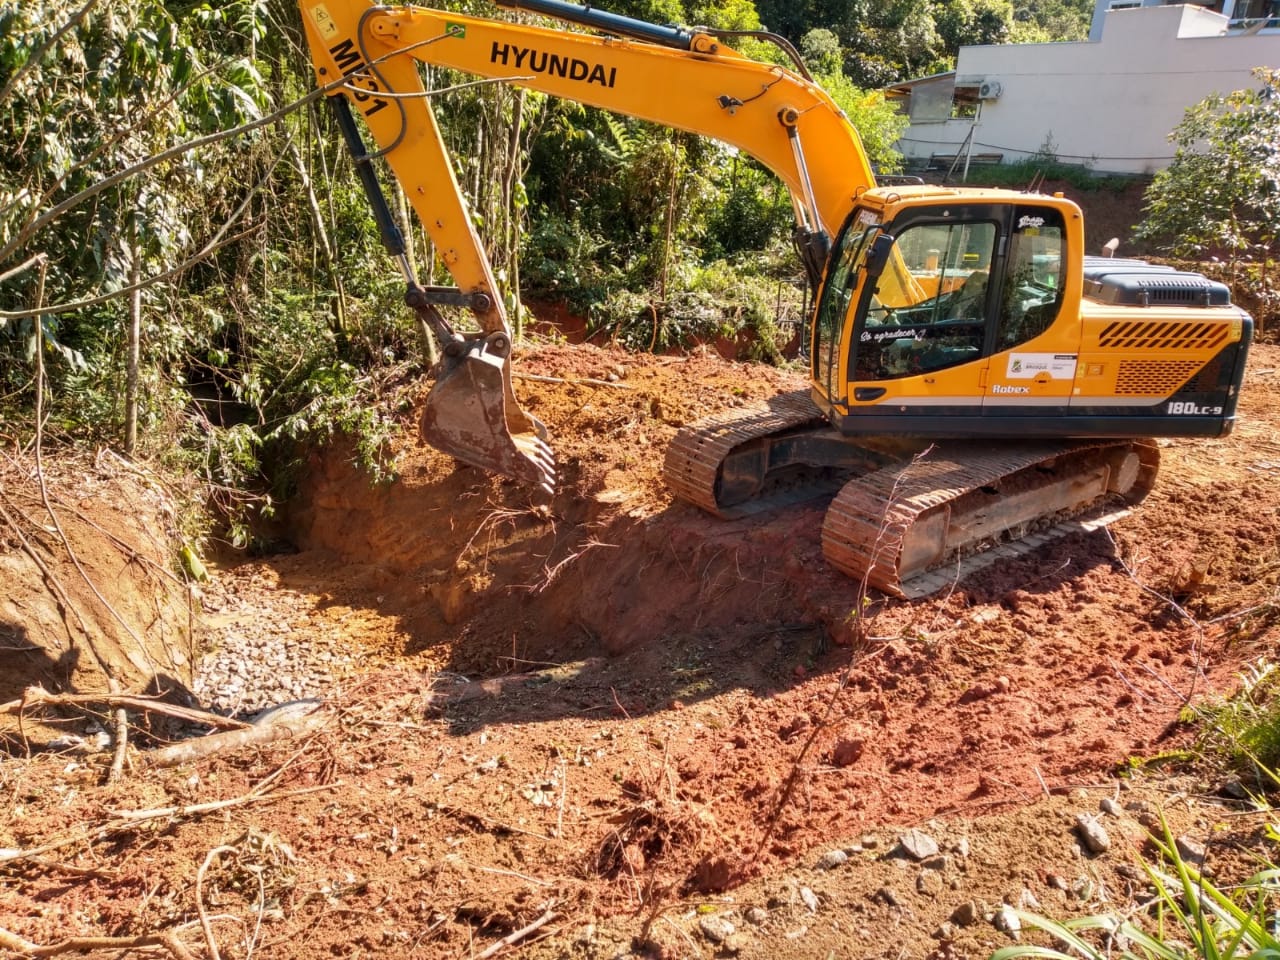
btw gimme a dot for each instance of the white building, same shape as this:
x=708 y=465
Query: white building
x=1109 y=102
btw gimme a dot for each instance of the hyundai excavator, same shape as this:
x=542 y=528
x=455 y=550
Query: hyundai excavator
x=974 y=375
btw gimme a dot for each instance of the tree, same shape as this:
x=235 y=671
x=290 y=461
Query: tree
x=821 y=51
x=1049 y=21
x=1222 y=190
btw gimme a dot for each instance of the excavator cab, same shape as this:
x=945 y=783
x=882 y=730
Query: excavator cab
x=976 y=315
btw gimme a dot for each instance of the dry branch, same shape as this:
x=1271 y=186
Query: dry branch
x=517 y=936
x=205 y=925
x=126 y=821
x=281 y=724
x=39 y=697
x=121 y=717
x=16 y=944
x=576 y=381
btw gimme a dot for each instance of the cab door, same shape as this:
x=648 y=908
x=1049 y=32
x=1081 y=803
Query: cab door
x=919 y=358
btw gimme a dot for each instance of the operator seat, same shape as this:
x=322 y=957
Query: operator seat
x=970 y=301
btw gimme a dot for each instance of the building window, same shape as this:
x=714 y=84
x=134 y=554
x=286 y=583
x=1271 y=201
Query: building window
x=964 y=103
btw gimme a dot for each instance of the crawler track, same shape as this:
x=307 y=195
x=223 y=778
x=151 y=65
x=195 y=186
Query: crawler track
x=900 y=522
x=901 y=517
x=697 y=454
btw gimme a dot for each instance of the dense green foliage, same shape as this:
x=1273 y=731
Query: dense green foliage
x=885 y=42
x=147 y=155
x=1221 y=193
x=171 y=170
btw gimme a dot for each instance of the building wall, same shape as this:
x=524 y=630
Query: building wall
x=1110 y=104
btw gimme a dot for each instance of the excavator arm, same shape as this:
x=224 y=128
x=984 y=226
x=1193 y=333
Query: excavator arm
x=366 y=57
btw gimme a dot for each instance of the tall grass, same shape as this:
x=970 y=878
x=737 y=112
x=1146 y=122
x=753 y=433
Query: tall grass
x=1188 y=917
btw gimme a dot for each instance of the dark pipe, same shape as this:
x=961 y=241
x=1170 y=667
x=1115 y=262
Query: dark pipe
x=615 y=23
x=392 y=238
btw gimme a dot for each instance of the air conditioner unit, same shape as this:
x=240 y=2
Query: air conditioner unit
x=990 y=90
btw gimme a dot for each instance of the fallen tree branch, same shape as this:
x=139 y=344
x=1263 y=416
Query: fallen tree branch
x=191 y=809
x=577 y=381
x=283 y=723
x=13 y=942
x=121 y=717
x=205 y=925
x=38 y=696
x=517 y=936
x=127 y=821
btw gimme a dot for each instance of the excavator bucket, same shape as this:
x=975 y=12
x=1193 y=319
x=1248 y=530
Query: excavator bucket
x=472 y=414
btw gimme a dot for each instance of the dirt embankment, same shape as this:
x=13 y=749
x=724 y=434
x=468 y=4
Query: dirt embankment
x=91 y=596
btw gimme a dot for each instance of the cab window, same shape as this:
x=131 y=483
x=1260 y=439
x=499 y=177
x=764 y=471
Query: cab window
x=928 y=310
x=1034 y=279
x=841 y=281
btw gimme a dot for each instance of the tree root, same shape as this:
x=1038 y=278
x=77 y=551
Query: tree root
x=25 y=948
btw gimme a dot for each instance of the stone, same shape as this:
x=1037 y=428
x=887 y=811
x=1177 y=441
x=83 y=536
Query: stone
x=1109 y=807
x=832 y=859
x=929 y=883
x=918 y=845
x=847 y=751
x=1092 y=834
x=810 y=899
x=757 y=916
x=1007 y=920
x=886 y=896
x=1191 y=851
x=946 y=931
x=969 y=913
x=715 y=928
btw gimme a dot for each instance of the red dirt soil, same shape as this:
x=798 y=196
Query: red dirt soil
x=615 y=709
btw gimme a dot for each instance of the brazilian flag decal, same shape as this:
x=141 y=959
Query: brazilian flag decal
x=457 y=30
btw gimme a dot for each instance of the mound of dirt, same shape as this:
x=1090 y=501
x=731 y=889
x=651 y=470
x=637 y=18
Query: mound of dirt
x=612 y=563
x=91 y=598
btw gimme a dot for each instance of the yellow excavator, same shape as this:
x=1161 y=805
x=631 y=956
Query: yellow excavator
x=974 y=375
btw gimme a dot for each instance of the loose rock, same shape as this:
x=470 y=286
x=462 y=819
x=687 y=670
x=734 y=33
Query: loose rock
x=886 y=896
x=918 y=845
x=716 y=929
x=969 y=913
x=1092 y=834
x=1191 y=851
x=946 y=931
x=832 y=859
x=810 y=899
x=1006 y=920
x=929 y=883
